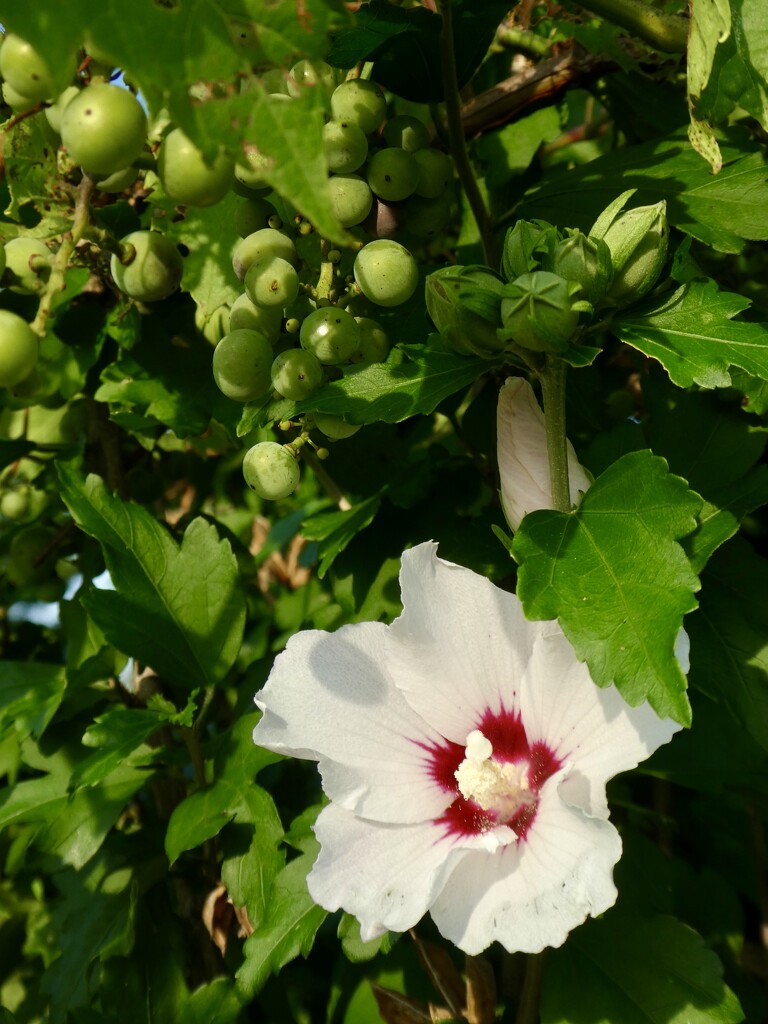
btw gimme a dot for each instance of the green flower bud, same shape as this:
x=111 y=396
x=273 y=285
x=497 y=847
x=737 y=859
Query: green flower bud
x=638 y=241
x=584 y=261
x=464 y=304
x=540 y=311
x=526 y=245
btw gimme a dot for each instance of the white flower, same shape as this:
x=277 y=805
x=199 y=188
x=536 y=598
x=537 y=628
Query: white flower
x=522 y=454
x=465 y=752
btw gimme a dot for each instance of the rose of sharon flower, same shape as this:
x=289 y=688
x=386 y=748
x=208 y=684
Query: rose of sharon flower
x=522 y=454
x=465 y=752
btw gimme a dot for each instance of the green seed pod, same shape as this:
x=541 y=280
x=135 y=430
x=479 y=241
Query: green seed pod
x=464 y=304
x=539 y=312
x=638 y=241
x=584 y=261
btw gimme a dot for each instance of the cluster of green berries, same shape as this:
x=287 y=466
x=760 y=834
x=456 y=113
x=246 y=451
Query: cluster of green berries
x=285 y=336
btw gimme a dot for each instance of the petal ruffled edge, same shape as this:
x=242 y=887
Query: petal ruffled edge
x=386 y=875
x=531 y=895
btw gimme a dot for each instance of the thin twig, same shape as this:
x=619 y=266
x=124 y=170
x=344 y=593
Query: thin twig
x=456 y=136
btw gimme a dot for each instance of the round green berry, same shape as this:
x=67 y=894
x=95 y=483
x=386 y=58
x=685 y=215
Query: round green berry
x=103 y=128
x=296 y=374
x=272 y=282
x=334 y=427
x=27 y=265
x=154 y=269
x=24 y=70
x=187 y=177
x=360 y=102
x=271 y=470
x=258 y=246
x=18 y=349
x=351 y=199
x=331 y=334
x=345 y=146
x=386 y=273
x=242 y=365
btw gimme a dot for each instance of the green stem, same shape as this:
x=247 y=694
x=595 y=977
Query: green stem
x=325 y=281
x=57 y=281
x=528 y=1007
x=552 y=377
x=522 y=39
x=458 y=143
x=666 y=32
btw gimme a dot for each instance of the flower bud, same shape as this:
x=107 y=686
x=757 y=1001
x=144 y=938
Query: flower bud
x=522 y=454
x=584 y=261
x=464 y=303
x=525 y=245
x=540 y=312
x=638 y=241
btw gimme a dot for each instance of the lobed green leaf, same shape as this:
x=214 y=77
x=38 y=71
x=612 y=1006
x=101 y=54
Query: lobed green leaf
x=615 y=576
x=695 y=338
x=175 y=607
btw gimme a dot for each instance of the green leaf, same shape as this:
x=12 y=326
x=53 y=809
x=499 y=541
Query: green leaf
x=29 y=151
x=30 y=694
x=335 y=530
x=209 y=235
x=120 y=734
x=353 y=946
x=214 y=1003
x=405 y=44
x=729 y=636
x=693 y=336
x=637 y=970
x=383 y=391
x=735 y=67
x=721 y=516
x=99 y=927
x=75 y=830
x=508 y=152
x=252 y=860
x=720 y=210
x=278 y=34
x=206 y=811
x=755 y=392
x=710 y=26
x=72 y=827
x=289 y=927
x=614 y=575
x=176 y=608
x=169 y=379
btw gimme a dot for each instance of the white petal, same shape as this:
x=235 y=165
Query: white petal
x=531 y=895
x=522 y=454
x=386 y=875
x=460 y=646
x=591 y=728
x=331 y=697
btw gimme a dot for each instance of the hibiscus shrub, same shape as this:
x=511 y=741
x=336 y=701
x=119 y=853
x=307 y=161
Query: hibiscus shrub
x=401 y=366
